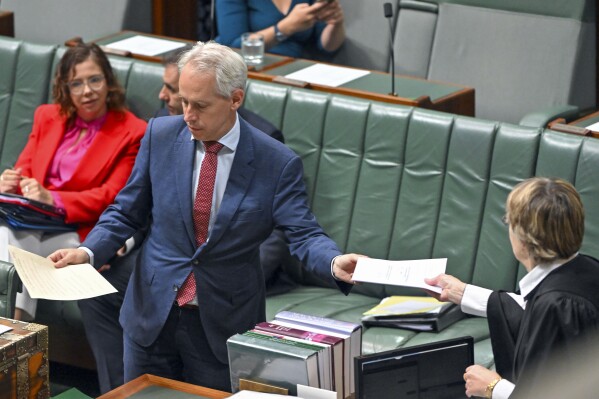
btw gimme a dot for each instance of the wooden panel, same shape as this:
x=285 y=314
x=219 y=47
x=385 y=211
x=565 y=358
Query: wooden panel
x=148 y=380
x=7 y=23
x=175 y=18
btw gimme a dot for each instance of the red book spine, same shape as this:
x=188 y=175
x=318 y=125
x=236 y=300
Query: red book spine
x=297 y=333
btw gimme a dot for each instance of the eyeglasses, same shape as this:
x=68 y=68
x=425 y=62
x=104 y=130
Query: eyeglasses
x=94 y=83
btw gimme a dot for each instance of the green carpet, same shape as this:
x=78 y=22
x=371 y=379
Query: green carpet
x=63 y=378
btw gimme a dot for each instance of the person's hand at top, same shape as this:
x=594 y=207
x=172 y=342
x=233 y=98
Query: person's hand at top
x=331 y=13
x=9 y=180
x=452 y=288
x=32 y=189
x=301 y=17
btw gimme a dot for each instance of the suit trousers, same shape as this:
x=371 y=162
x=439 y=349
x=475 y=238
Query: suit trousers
x=181 y=352
x=100 y=317
x=39 y=243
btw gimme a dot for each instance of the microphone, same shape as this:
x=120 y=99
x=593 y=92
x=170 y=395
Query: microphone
x=388 y=9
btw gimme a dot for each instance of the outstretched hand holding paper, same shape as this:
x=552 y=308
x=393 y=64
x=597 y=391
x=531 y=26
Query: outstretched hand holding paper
x=43 y=280
x=407 y=273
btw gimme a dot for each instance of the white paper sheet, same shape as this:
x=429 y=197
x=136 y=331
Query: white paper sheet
x=4 y=329
x=45 y=281
x=144 y=45
x=594 y=127
x=257 y=395
x=327 y=75
x=407 y=273
x=307 y=392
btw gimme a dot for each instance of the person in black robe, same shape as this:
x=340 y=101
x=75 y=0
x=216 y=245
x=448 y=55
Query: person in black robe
x=558 y=304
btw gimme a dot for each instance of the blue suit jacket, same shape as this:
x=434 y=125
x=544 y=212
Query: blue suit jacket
x=265 y=190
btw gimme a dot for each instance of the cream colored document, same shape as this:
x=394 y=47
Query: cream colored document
x=45 y=281
x=407 y=273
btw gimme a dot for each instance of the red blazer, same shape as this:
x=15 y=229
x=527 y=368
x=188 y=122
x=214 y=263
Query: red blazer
x=101 y=173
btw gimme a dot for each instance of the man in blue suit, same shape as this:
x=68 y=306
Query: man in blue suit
x=258 y=186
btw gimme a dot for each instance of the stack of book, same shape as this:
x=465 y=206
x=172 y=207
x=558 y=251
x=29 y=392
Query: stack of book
x=296 y=348
x=413 y=313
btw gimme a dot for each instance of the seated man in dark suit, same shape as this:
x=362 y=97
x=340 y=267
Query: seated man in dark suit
x=101 y=314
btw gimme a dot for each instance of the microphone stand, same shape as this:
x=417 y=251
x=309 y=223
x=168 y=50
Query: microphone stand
x=389 y=16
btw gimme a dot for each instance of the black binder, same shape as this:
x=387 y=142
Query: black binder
x=420 y=322
x=22 y=213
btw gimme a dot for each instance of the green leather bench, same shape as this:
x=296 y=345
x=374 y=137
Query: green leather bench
x=401 y=183
x=384 y=180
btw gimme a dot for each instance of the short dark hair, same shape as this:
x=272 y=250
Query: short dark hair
x=74 y=56
x=172 y=58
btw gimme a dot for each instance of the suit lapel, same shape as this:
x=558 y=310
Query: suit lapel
x=50 y=138
x=184 y=149
x=242 y=173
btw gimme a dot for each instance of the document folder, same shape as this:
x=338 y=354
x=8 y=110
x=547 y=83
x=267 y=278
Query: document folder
x=21 y=213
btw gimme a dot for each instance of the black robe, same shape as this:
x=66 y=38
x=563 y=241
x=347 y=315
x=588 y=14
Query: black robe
x=560 y=313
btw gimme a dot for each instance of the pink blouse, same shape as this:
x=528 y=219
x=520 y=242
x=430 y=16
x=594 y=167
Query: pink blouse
x=69 y=152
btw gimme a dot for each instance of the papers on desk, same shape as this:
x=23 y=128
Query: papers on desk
x=407 y=273
x=593 y=127
x=4 y=329
x=257 y=395
x=45 y=281
x=145 y=45
x=303 y=392
x=327 y=75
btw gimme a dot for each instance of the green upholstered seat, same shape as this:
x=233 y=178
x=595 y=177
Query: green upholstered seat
x=521 y=57
x=385 y=180
x=9 y=285
x=400 y=183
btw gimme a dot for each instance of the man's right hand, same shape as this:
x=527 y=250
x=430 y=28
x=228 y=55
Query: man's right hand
x=65 y=257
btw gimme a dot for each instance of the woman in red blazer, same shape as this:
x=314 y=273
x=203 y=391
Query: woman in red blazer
x=79 y=155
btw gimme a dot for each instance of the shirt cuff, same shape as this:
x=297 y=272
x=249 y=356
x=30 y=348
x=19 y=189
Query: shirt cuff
x=332 y=272
x=475 y=299
x=503 y=389
x=90 y=254
x=129 y=245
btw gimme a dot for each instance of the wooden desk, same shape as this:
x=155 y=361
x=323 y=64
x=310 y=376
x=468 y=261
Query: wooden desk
x=7 y=23
x=151 y=386
x=270 y=60
x=411 y=91
x=578 y=126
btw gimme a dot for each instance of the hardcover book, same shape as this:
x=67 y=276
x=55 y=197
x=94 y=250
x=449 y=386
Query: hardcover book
x=350 y=332
x=335 y=345
x=270 y=362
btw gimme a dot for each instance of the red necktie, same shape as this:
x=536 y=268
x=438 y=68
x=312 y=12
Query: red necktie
x=201 y=211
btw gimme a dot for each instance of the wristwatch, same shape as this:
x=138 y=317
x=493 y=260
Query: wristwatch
x=279 y=36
